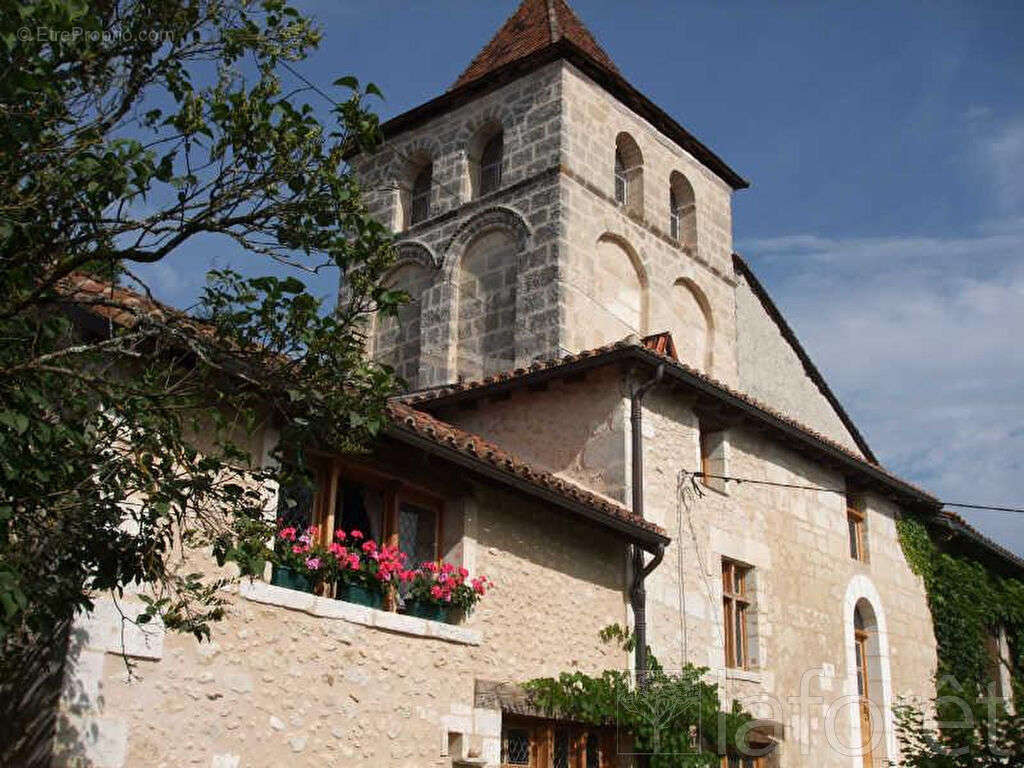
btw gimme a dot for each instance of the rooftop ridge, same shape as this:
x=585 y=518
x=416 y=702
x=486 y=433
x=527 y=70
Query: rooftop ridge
x=535 y=25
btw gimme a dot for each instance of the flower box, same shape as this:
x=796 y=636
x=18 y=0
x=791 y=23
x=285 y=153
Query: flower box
x=289 y=578
x=424 y=609
x=360 y=595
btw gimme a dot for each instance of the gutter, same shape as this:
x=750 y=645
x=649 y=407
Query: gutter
x=637 y=594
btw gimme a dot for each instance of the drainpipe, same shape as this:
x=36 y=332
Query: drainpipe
x=638 y=595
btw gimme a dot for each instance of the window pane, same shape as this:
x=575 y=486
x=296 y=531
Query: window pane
x=561 y=748
x=727 y=577
x=593 y=751
x=295 y=504
x=860 y=668
x=741 y=640
x=421 y=195
x=727 y=623
x=516 y=747
x=359 y=509
x=417 y=531
x=854 y=544
x=490 y=165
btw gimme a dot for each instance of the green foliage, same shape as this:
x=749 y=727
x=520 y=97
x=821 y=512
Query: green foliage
x=124 y=445
x=967 y=601
x=977 y=736
x=676 y=718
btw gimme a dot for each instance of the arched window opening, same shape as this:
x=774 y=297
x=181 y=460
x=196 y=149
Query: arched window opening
x=682 y=210
x=621 y=182
x=868 y=670
x=628 y=175
x=420 y=209
x=490 y=164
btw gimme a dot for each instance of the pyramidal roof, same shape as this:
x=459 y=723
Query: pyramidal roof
x=536 y=24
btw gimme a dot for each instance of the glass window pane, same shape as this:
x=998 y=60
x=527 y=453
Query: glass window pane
x=516 y=747
x=561 y=748
x=295 y=504
x=860 y=668
x=741 y=641
x=360 y=509
x=854 y=542
x=593 y=751
x=417 y=532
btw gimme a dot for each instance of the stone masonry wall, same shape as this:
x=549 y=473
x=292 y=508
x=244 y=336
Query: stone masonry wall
x=577 y=430
x=525 y=207
x=804 y=583
x=593 y=119
x=283 y=687
x=770 y=370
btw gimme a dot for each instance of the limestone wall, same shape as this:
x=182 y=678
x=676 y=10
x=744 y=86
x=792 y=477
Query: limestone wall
x=525 y=208
x=577 y=429
x=280 y=686
x=686 y=289
x=772 y=372
x=805 y=585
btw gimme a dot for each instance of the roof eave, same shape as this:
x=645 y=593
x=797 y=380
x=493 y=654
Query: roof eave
x=612 y=82
x=649 y=540
x=624 y=352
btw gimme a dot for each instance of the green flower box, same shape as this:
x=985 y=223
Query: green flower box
x=423 y=609
x=283 y=576
x=354 y=593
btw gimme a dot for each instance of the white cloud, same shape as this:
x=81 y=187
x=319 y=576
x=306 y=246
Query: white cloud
x=922 y=339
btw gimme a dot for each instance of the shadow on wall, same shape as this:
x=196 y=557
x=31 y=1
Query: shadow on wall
x=30 y=698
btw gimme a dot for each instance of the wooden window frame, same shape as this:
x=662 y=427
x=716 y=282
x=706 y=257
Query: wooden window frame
x=394 y=489
x=736 y=599
x=743 y=761
x=855 y=518
x=542 y=734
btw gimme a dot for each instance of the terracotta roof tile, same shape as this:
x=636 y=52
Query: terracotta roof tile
x=536 y=24
x=423 y=398
x=424 y=425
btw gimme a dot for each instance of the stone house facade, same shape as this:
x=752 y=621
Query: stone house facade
x=563 y=242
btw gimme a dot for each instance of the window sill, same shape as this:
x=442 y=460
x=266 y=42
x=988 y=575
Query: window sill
x=748 y=675
x=328 y=608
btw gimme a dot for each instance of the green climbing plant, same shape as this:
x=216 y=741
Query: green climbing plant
x=676 y=718
x=968 y=601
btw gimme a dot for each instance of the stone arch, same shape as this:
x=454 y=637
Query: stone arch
x=481 y=177
x=629 y=174
x=619 y=293
x=396 y=340
x=407 y=164
x=863 y=600
x=497 y=217
x=472 y=136
x=689 y=319
x=682 y=210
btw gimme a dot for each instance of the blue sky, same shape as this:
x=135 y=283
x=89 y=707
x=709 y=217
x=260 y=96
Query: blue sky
x=884 y=143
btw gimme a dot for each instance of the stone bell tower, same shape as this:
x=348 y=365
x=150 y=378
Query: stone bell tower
x=544 y=206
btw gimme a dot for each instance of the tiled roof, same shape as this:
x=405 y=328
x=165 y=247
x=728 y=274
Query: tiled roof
x=536 y=24
x=713 y=386
x=121 y=306
x=426 y=426
x=962 y=527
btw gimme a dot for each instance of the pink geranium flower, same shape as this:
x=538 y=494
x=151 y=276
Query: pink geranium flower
x=313 y=563
x=356 y=534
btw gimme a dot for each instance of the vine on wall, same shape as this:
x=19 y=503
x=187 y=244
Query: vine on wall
x=675 y=718
x=967 y=601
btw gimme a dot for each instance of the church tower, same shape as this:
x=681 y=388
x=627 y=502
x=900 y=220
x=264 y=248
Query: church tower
x=544 y=206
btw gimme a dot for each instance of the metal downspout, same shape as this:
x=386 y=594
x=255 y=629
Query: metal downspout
x=638 y=595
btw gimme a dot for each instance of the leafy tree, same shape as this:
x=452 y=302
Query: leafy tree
x=129 y=129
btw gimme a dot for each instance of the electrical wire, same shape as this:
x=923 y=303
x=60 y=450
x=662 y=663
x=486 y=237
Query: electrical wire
x=739 y=480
